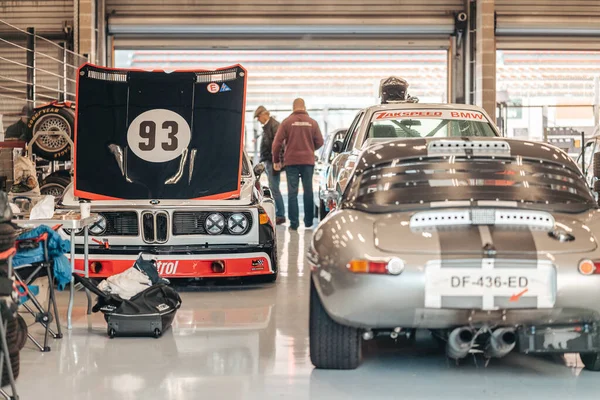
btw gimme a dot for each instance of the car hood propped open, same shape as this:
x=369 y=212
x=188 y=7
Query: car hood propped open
x=159 y=135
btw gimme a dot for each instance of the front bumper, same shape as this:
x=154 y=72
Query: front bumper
x=181 y=261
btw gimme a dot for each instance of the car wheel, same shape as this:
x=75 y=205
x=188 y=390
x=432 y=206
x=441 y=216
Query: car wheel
x=332 y=345
x=52 y=147
x=54 y=185
x=591 y=361
x=596 y=164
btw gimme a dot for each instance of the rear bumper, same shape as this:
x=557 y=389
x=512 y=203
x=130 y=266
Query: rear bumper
x=177 y=262
x=371 y=301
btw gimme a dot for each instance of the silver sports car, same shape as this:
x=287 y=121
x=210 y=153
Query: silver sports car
x=489 y=243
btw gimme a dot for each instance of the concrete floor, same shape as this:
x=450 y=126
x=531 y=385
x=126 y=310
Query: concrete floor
x=252 y=343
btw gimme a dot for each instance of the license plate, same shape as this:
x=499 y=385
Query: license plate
x=490 y=288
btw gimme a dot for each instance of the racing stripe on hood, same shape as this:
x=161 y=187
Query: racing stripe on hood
x=459 y=243
x=513 y=243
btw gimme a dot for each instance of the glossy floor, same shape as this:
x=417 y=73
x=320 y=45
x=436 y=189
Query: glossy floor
x=252 y=343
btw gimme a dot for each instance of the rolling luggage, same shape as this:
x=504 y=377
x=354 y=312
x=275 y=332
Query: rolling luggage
x=148 y=313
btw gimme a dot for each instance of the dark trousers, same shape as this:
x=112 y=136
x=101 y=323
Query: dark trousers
x=274 y=179
x=295 y=173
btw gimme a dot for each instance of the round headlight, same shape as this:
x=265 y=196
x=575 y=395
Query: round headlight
x=99 y=227
x=77 y=231
x=237 y=223
x=215 y=223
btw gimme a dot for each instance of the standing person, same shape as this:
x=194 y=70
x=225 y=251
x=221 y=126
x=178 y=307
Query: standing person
x=18 y=130
x=270 y=126
x=302 y=137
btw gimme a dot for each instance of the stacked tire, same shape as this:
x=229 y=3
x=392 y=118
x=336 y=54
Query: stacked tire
x=54 y=117
x=16 y=328
x=16 y=336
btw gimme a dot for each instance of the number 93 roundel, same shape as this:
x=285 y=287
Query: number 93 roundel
x=158 y=135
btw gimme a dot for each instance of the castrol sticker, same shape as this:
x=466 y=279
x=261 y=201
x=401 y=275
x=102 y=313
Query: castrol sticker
x=167 y=267
x=432 y=114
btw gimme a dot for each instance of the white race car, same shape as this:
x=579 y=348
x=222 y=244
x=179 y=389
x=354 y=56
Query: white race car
x=159 y=156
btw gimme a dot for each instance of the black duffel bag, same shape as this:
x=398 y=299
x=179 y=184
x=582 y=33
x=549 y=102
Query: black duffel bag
x=148 y=313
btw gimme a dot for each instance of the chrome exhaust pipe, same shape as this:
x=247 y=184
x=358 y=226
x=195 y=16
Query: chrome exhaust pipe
x=460 y=342
x=502 y=341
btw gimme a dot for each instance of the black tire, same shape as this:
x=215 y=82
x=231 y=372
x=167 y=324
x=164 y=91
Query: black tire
x=322 y=212
x=55 y=184
x=8 y=234
x=596 y=164
x=22 y=330
x=332 y=345
x=13 y=351
x=591 y=361
x=112 y=333
x=157 y=333
x=597 y=186
x=52 y=118
x=274 y=262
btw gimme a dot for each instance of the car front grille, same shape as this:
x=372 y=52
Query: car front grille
x=118 y=223
x=192 y=222
x=121 y=223
x=155 y=227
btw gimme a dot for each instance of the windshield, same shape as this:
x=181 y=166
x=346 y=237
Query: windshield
x=429 y=123
x=420 y=182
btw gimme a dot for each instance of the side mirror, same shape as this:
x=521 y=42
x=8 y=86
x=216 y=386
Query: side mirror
x=337 y=146
x=259 y=169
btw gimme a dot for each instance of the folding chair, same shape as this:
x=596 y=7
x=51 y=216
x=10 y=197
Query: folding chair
x=5 y=357
x=42 y=315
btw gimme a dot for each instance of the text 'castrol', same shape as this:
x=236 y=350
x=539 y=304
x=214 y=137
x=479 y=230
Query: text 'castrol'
x=166 y=267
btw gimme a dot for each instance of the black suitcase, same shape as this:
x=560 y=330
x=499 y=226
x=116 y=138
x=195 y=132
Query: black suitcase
x=148 y=313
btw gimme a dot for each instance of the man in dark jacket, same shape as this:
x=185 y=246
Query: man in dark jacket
x=302 y=137
x=270 y=126
x=18 y=130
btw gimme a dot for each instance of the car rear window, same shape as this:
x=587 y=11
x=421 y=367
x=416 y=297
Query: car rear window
x=422 y=181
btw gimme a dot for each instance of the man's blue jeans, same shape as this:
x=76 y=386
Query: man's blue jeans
x=274 y=181
x=295 y=173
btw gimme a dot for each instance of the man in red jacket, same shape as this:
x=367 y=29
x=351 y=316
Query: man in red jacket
x=302 y=136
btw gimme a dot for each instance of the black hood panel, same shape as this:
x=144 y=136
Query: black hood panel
x=159 y=135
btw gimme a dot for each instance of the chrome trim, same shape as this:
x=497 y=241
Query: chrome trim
x=192 y=161
x=177 y=177
x=154 y=226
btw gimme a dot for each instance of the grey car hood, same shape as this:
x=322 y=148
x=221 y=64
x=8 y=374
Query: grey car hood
x=397 y=233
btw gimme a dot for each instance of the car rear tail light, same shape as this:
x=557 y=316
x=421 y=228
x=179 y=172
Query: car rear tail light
x=589 y=267
x=395 y=266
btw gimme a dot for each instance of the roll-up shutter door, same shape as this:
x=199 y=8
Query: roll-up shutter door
x=49 y=18
x=276 y=23
x=547 y=24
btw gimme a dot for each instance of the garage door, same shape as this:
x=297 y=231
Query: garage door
x=278 y=23
x=548 y=24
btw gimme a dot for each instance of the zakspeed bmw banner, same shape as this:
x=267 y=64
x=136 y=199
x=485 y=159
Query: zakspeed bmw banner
x=159 y=135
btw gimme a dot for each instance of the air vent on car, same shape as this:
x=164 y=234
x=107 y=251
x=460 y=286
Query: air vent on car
x=482 y=216
x=468 y=147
